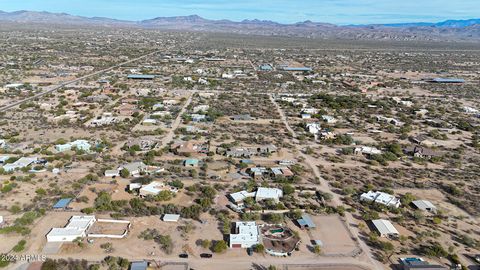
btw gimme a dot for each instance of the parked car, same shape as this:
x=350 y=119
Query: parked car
x=206 y=255
x=183 y=255
x=249 y=251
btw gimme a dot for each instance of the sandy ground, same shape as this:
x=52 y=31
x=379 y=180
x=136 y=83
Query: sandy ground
x=333 y=234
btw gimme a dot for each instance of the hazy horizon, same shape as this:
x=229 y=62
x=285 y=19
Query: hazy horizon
x=330 y=11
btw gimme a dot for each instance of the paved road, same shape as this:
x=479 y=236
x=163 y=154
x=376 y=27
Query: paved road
x=59 y=86
x=235 y=263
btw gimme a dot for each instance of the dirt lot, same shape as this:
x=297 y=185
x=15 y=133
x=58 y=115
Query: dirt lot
x=108 y=228
x=332 y=232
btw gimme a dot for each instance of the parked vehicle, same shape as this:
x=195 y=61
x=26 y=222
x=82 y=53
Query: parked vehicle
x=206 y=255
x=183 y=255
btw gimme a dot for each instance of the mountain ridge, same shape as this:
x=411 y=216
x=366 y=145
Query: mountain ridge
x=448 y=29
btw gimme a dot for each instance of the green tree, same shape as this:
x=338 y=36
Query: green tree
x=124 y=173
x=220 y=246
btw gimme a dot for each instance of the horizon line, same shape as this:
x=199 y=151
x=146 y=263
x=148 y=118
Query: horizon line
x=238 y=21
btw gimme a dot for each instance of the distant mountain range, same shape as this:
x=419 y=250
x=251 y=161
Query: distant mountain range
x=453 y=30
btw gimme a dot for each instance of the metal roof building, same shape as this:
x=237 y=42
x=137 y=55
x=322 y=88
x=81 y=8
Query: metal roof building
x=141 y=77
x=62 y=203
x=446 y=80
x=425 y=205
x=306 y=222
x=142 y=265
x=385 y=228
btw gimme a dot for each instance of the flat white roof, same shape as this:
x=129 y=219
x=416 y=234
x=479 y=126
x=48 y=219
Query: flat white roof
x=171 y=217
x=241 y=195
x=77 y=226
x=154 y=187
x=247 y=232
x=273 y=193
x=385 y=227
x=65 y=232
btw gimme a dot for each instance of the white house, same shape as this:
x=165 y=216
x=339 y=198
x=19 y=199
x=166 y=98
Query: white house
x=76 y=227
x=313 y=128
x=240 y=196
x=367 y=150
x=268 y=193
x=21 y=163
x=78 y=144
x=154 y=188
x=246 y=235
x=112 y=173
x=135 y=168
x=201 y=108
x=329 y=119
x=381 y=198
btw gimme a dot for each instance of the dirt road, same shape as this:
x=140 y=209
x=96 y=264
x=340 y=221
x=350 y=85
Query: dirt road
x=171 y=133
x=336 y=200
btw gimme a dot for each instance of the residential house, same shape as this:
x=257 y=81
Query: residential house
x=265 y=67
x=20 y=163
x=313 y=128
x=186 y=148
x=423 y=140
x=268 y=193
x=246 y=235
x=78 y=144
x=200 y=108
x=149 y=122
x=421 y=152
x=381 y=198
x=389 y=120
x=76 y=228
x=143 y=144
x=367 y=150
x=191 y=162
x=154 y=188
x=281 y=171
x=242 y=117
x=135 y=168
x=419 y=264
x=329 y=119
x=198 y=117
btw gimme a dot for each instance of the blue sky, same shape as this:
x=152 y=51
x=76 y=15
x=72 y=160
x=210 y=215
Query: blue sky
x=286 y=11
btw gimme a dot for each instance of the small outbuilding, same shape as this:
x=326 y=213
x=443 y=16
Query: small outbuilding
x=171 y=218
x=425 y=206
x=62 y=204
x=306 y=222
x=141 y=265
